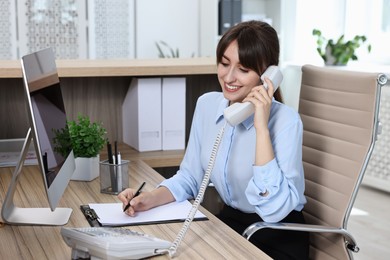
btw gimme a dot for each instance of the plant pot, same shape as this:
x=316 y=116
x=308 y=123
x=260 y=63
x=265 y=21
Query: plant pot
x=331 y=60
x=87 y=169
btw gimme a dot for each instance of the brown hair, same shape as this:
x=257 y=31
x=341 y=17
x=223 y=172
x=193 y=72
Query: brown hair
x=258 y=47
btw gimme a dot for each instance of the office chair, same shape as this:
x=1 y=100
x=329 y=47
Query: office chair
x=339 y=111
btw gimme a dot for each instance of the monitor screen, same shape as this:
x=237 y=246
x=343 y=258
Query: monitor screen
x=46 y=113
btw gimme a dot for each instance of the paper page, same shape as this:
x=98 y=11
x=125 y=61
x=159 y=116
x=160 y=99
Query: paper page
x=8 y=159
x=111 y=214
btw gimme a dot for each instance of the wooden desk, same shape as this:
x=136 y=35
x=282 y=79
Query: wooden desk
x=210 y=239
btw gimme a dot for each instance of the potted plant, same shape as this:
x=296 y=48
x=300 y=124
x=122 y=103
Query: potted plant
x=171 y=53
x=87 y=139
x=338 y=52
x=166 y=51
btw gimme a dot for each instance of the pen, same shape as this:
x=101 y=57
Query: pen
x=112 y=170
x=109 y=153
x=138 y=192
x=119 y=173
x=116 y=152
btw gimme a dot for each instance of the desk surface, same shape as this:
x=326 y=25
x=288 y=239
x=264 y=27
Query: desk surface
x=120 y=67
x=163 y=158
x=210 y=239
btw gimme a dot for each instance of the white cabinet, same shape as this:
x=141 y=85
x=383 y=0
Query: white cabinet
x=111 y=29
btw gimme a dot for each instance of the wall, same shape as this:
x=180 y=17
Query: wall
x=100 y=29
x=176 y=22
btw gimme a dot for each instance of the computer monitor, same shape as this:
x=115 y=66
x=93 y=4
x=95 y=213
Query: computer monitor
x=46 y=112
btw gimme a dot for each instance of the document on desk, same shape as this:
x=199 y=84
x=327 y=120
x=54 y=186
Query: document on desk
x=9 y=159
x=111 y=214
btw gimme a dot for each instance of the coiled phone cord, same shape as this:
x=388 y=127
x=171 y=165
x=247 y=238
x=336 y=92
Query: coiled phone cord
x=172 y=250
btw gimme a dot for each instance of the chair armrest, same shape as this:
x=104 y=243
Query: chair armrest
x=350 y=241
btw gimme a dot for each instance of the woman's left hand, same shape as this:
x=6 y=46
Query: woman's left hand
x=261 y=98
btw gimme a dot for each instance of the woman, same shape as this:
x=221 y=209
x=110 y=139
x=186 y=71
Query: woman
x=258 y=169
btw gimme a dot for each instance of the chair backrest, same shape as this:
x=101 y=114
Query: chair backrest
x=339 y=114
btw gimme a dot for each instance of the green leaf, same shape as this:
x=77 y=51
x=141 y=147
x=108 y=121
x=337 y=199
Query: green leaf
x=169 y=51
x=86 y=139
x=342 y=51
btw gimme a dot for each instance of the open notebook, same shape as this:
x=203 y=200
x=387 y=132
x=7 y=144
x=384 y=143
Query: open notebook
x=111 y=214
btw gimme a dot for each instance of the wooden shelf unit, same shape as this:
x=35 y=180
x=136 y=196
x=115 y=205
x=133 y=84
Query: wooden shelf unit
x=97 y=88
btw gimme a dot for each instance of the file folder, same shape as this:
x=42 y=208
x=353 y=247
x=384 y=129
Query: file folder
x=173 y=113
x=141 y=114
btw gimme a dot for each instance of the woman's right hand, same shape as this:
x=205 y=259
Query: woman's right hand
x=140 y=203
x=145 y=200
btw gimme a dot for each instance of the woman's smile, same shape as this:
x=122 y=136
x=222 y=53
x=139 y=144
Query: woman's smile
x=231 y=88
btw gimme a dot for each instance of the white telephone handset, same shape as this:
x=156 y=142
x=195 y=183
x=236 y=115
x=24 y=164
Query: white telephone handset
x=238 y=112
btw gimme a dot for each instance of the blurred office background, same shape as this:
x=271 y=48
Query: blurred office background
x=131 y=28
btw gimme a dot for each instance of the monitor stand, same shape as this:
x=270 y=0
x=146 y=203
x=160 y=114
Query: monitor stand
x=29 y=216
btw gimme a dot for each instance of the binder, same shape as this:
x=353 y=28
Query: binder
x=173 y=113
x=230 y=12
x=141 y=114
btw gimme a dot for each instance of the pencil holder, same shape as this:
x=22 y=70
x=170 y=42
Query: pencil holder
x=114 y=178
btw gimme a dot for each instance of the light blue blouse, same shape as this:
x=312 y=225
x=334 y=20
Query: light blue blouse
x=238 y=181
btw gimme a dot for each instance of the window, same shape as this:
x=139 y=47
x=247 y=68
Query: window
x=386 y=16
x=336 y=17
x=327 y=16
x=371 y=18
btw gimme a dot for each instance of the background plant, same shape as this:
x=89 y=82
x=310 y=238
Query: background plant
x=166 y=51
x=86 y=138
x=341 y=51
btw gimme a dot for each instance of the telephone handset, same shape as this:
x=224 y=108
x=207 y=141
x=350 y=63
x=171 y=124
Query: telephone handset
x=238 y=112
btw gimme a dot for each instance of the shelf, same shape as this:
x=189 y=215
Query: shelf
x=128 y=67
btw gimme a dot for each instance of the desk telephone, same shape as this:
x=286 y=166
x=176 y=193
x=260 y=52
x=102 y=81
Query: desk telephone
x=238 y=112
x=112 y=243
x=122 y=243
